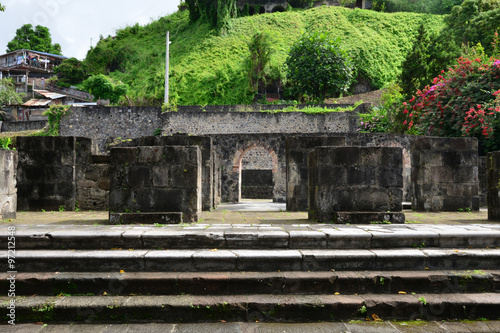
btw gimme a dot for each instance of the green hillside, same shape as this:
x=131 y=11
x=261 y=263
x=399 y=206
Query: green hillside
x=206 y=68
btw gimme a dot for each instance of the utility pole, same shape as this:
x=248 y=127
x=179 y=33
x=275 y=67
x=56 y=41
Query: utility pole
x=167 y=68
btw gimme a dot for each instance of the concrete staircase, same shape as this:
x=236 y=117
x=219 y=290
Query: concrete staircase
x=265 y=273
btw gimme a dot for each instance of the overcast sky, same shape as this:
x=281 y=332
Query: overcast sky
x=73 y=23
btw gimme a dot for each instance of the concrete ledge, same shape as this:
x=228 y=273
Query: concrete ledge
x=368 y=217
x=256 y=260
x=145 y=218
x=251 y=283
x=251 y=308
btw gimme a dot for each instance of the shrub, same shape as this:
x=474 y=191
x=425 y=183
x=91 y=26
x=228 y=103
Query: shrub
x=319 y=67
x=463 y=101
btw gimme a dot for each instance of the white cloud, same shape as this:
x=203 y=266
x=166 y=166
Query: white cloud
x=74 y=23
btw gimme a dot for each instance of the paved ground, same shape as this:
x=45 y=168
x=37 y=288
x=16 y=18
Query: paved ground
x=354 y=326
x=255 y=212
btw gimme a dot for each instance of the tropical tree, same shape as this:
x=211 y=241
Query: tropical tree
x=102 y=87
x=2 y=8
x=70 y=72
x=430 y=54
x=215 y=12
x=36 y=39
x=318 y=67
x=8 y=94
x=260 y=55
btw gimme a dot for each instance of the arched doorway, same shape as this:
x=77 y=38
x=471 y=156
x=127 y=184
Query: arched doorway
x=256 y=165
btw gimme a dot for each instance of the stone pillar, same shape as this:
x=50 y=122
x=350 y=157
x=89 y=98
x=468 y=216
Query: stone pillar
x=205 y=144
x=493 y=170
x=46 y=172
x=445 y=174
x=297 y=149
x=356 y=184
x=155 y=179
x=8 y=190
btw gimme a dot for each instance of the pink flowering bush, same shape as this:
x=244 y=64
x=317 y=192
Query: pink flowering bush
x=463 y=101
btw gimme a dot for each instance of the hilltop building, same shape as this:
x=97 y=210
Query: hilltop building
x=26 y=67
x=271 y=6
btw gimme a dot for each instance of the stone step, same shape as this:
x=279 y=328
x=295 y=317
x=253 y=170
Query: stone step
x=252 y=327
x=251 y=308
x=220 y=236
x=252 y=260
x=277 y=283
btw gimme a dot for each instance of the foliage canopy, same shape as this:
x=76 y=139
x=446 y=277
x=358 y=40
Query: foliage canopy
x=36 y=39
x=8 y=95
x=71 y=72
x=102 y=87
x=319 y=67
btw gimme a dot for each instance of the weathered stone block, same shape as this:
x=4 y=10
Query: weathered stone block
x=158 y=179
x=363 y=184
x=297 y=150
x=493 y=196
x=49 y=170
x=445 y=174
x=8 y=191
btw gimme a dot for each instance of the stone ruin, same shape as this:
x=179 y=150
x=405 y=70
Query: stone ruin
x=350 y=178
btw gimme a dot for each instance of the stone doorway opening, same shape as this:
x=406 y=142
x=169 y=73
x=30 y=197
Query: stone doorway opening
x=256 y=165
x=256 y=177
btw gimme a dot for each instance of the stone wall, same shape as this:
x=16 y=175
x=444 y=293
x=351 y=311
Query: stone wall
x=206 y=123
x=47 y=171
x=297 y=150
x=257 y=184
x=483 y=181
x=101 y=123
x=231 y=149
x=19 y=126
x=207 y=158
x=445 y=174
x=493 y=167
x=257 y=159
x=355 y=180
x=8 y=190
x=93 y=184
x=156 y=179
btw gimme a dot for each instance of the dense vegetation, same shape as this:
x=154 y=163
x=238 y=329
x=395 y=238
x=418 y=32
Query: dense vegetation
x=33 y=38
x=450 y=82
x=211 y=67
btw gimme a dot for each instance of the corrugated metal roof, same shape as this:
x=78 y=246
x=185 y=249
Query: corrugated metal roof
x=50 y=94
x=38 y=102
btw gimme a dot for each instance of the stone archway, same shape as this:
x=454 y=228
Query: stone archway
x=262 y=165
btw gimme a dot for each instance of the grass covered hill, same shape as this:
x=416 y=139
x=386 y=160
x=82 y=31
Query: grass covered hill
x=211 y=68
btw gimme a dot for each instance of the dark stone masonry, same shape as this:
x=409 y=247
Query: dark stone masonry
x=156 y=179
x=297 y=175
x=445 y=174
x=355 y=184
x=232 y=153
x=493 y=172
x=47 y=171
x=257 y=184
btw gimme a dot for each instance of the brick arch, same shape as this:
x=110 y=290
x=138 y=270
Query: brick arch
x=238 y=156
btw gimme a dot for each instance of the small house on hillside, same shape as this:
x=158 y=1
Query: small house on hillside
x=26 y=67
